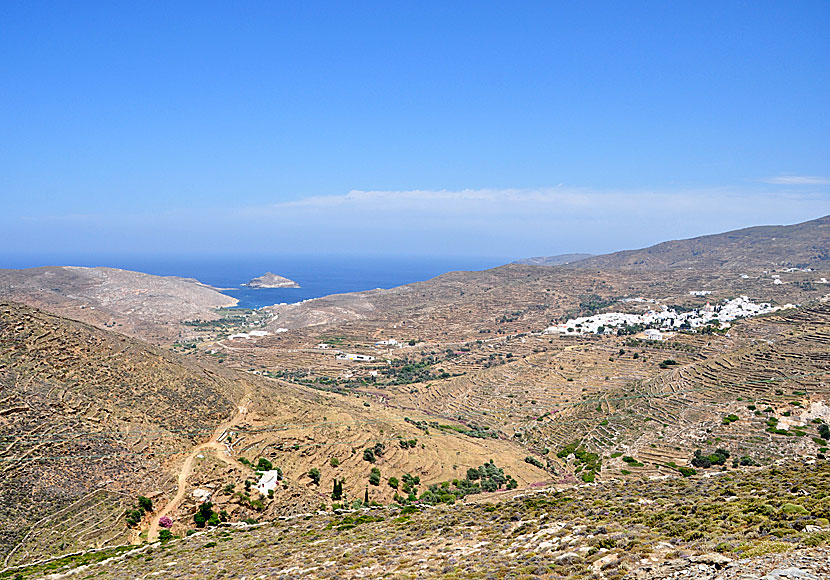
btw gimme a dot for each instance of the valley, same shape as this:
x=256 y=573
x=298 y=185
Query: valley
x=533 y=397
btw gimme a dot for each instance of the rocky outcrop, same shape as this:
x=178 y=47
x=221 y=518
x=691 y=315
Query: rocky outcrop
x=271 y=280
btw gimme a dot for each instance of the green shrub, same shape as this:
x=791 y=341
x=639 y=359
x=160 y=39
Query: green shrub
x=793 y=508
x=314 y=474
x=205 y=515
x=374 y=476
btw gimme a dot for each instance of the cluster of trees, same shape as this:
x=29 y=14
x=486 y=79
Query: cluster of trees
x=206 y=516
x=491 y=477
x=337 y=491
x=135 y=515
x=486 y=478
x=719 y=457
x=593 y=302
x=405 y=371
x=629 y=329
x=372 y=453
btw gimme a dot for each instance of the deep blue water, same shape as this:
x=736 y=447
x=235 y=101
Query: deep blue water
x=317 y=275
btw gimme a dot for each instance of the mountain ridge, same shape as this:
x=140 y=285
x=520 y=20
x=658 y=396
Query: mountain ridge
x=807 y=245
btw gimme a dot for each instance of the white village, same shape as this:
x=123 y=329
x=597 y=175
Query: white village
x=654 y=320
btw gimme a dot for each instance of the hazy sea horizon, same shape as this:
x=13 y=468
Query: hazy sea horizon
x=317 y=275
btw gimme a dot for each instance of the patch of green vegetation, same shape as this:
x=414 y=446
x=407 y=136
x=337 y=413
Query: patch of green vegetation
x=372 y=453
x=205 y=516
x=72 y=561
x=718 y=457
x=584 y=460
x=632 y=462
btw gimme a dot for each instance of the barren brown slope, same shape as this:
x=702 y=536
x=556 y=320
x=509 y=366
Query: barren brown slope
x=143 y=305
x=88 y=419
x=521 y=298
x=516 y=298
x=798 y=246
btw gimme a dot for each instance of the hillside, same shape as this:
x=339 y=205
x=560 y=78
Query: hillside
x=804 y=245
x=732 y=525
x=520 y=297
x=134 y=303
x=89 y=419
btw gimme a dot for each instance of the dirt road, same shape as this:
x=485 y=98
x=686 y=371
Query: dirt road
x=187 y=468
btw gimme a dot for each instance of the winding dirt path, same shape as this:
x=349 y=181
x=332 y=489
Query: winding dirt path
x=187 y=467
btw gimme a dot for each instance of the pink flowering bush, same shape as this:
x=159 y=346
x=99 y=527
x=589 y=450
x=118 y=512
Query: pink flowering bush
x=165 y=522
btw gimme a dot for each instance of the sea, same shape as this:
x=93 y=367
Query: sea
x=317 y=275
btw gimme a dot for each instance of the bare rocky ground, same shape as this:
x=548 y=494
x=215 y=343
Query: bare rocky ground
x=134 y=303
x=798 y=565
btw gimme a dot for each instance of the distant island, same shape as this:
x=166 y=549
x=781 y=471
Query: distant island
x=271 y=280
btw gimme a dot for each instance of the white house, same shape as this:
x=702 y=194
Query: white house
x=357 y=357
x=653 y=334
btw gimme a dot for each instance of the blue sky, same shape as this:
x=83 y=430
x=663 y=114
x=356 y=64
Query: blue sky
x=499 y=129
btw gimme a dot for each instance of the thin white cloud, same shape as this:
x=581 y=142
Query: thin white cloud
x=491 y=222
x=796 y=180
x=538 y=204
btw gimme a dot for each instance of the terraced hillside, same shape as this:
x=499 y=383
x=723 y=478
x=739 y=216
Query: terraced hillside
x=652 y=402
x=763 y=400
x=732 y=525
x=88 y=420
